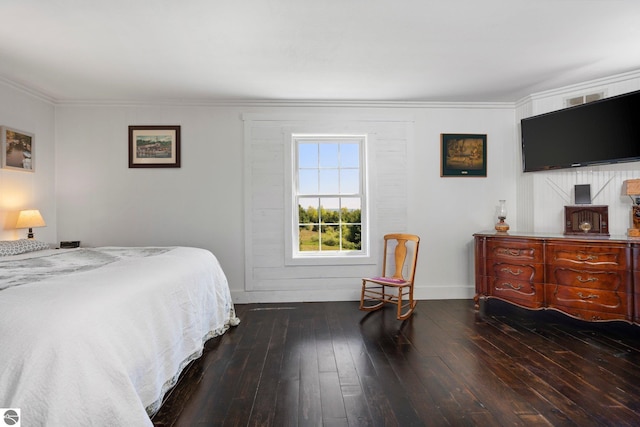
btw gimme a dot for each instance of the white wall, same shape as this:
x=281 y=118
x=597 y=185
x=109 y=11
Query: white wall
x=22 y=110
x=100 y=201
x=447 y=211
x=103 y=202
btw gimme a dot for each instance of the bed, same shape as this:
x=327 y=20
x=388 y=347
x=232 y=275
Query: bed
x=97 y=336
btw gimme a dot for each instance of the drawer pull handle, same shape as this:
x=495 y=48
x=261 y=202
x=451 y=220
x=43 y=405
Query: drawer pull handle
x=510 y=271
x=512 y=286
x=590 y=296
x=587 y=257
x=508 y=251
x=587 y=280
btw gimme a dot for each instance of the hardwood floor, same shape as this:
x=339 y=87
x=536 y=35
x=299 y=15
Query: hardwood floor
x=329 y=364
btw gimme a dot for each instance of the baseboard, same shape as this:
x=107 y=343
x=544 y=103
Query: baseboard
x=351 y=294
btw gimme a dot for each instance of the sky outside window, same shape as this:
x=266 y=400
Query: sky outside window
x=330 y=168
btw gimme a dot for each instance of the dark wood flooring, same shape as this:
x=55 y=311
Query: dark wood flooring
x=329 y=364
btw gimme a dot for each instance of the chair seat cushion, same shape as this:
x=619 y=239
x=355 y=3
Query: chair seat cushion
x=390 y=280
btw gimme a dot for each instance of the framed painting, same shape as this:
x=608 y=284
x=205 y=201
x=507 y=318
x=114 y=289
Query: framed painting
x=154 y=146
x=18 y=149
x=463 y=154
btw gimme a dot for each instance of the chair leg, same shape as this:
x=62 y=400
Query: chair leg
x=411 y=304
x=363 y=295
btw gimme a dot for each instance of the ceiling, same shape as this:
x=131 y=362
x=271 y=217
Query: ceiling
x=326 y=50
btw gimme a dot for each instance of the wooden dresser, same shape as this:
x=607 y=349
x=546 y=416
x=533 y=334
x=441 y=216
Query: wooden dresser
x=589 y=278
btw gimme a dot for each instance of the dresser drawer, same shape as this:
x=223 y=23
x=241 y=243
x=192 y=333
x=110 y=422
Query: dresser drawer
x=515 y=250
x=614 y=280
x=567 y=298
x=531 y=273
x=596 y=256
x=521 y=292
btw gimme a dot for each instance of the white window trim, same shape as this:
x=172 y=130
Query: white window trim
x=292 y=255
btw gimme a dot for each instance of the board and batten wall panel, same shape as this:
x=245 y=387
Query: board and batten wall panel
x=524 y=182
x=542 y=195
x=267 y=169
x=555 y=190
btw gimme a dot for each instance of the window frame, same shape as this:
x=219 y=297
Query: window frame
x=293 y=255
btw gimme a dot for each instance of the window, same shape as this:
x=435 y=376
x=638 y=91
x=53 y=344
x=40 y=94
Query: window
x=329 y=194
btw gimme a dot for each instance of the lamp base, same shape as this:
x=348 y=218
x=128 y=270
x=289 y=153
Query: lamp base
x=635 y=216
x=633 y=232
x=502 y=226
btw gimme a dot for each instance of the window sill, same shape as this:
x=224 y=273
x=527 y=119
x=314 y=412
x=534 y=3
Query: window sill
x=331 y=260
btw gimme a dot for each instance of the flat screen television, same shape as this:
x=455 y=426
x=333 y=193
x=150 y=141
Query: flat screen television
x=599 y=132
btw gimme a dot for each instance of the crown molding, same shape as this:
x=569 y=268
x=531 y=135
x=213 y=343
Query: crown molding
x=581 y=87
x=244 y=103
x=28 y=90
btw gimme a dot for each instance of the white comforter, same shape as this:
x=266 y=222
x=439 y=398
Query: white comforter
x=100 y=346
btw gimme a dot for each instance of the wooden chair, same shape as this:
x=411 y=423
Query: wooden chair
x=395 y=288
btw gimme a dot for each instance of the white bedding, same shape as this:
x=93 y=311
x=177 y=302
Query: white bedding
x=101 y=346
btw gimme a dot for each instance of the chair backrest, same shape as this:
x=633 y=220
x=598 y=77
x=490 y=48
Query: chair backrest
x=400 y=255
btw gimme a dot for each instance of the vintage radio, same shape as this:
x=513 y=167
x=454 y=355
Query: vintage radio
x=590 y=220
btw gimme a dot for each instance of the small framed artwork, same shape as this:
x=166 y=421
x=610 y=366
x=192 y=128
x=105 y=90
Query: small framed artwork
x=18 y=149
x=463 y=154
x=154 y=146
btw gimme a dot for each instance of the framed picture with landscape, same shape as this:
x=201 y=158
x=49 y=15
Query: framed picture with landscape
x=463 y=154
x=18 y=149
x=154 y=146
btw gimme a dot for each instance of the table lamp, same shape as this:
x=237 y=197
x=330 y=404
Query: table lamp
x=632 y=189
x=501 y=213
x=29 y=219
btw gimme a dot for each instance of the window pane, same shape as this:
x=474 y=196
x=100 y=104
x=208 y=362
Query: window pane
x=329 y=155
x=307 y=155
x=349 y=181
x=308 y=181
x=330 y=210
x=309 y=238
x=349 y=155
x=330 y=237
x=310 y=206
x=329 y=181
x=351 y=209
x=352 y=237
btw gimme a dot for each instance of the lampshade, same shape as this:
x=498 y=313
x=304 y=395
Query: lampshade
x=632 y=187
x=28 y=219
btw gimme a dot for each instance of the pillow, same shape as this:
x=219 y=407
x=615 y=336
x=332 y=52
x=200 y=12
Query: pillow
x=15 y=247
